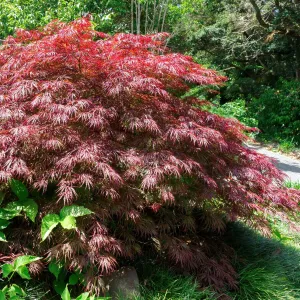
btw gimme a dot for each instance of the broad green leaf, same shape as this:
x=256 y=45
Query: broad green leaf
x=24 y=260
x=69 y=222
x=66 y=294
x=19 y=189
x=2 y=237
x=3 y=224
x=49 y=222
x=14 y=207
x=55 y=269
x=74 y=211
x=2 y=296
x=30 y=208
x=18 y=290
x=6 y=270
x=73 y=279
x=8 y=214
x=83 y=296
x=23 y=272
x=59 y=286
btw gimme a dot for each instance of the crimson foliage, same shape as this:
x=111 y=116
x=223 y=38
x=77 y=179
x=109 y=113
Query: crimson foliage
x=98 y=120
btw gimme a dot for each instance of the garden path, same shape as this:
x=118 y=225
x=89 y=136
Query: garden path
x=290 y=166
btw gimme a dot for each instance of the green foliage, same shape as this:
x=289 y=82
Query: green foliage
x=19 y=189
x=12 y=292
x=65 y=295
x=13 y=209
x=286 y=146
x=55 y=268
x=236 y=109
x=293 y=184
x=278 y=112
x=162 y=284
x=258 y=282
x=268 y=268
x=29 y=14
x=66 y=218
x=19 y=266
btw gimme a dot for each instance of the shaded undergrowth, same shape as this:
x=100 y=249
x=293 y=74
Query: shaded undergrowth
x=268 y=268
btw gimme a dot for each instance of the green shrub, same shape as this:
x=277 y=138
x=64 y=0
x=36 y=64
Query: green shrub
x=278 y=112
x=236 y=109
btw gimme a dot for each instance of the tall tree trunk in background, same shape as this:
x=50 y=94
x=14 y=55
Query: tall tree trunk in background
x=164 y=16
x=132 y=15
x=151 y=17
x=146 y=17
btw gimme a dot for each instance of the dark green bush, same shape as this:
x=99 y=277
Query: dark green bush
x=278 y=112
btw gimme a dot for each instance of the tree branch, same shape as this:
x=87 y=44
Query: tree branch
x=259 y=16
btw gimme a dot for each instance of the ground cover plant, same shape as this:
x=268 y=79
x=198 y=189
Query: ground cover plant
x=102 y=159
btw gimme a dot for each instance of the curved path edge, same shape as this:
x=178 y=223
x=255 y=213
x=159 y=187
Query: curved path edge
x=290 y=166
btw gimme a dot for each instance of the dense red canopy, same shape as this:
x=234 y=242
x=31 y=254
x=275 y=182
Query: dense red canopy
x=79 y=108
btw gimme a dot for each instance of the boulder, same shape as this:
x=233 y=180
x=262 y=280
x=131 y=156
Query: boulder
x=123 y=284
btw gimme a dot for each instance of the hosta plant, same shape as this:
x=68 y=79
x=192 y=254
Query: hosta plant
x=97 y=121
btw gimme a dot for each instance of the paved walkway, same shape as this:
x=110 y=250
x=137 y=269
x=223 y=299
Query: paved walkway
x=286 y=164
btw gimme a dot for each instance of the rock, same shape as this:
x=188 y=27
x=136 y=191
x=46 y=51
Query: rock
x=123 y=284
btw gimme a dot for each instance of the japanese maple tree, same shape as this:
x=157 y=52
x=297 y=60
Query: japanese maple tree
x=99 y=121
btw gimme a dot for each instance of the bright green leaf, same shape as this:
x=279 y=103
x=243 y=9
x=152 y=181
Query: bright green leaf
x=24 y=260
x=23 y=272
x=69 y=222
x=49 y=222
x=3 y=224
x=73 y=279
x=55 y=269
x=2 y=296
x=7 y=269
x=75 y=211
x=66 y=294
x=83 y=296
x=18 y=290
x=8 y=214
x=2 y=237
x=19 y=189
x=30 y=208
x=14 y=207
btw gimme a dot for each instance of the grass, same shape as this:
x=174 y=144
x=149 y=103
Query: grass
x=268 y=268
x=293 y=185
x=165 y=285
x=278 y=144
